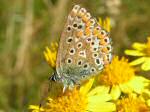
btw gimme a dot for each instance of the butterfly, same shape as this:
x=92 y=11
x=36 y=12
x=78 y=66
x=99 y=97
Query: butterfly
x=84 y=49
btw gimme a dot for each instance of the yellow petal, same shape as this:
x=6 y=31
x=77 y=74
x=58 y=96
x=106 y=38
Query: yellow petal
x=138 y=61
x=99 y=90
x=87 y=86
x=115 y=92
x=125 y=88
x=35 y=108
x=134 y=53
x=102 y=107
x=139 y=46
x=146 y=65
x=100 y=21
x=148 y=102
x=138 y=84
x=99 y=98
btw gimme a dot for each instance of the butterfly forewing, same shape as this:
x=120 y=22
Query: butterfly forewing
x=84 y=47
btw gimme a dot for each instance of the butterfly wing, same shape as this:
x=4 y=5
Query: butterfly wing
x=84 y=47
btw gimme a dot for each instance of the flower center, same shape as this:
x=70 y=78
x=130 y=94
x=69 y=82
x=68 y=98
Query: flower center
x=119 y=71
x=72 y=101
x=131 y=104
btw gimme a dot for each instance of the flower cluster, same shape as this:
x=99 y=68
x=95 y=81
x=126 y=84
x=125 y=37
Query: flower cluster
x=141 y=50
x=118 y=88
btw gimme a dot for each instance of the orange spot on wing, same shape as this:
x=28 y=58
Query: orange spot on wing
x=105 y=59
x=105 y=50
x=79 y=34
x=88 y=24
x=95 y=32
x=100 y=36
x=102 y=42
x=85 y=19
x=87 y=31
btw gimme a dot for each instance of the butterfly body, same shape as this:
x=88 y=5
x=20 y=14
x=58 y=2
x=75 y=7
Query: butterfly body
x=84 y=49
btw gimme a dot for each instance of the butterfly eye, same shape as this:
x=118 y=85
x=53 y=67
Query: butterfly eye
x=72 y=51
x=68 y=28
x=69 y=60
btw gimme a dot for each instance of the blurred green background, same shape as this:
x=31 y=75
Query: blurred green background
x=27 y=26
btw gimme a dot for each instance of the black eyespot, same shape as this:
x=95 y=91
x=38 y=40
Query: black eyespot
x=69 y=60
x=89 y=39
x=79 y=45
x=108 y=47
x=69 y=40
x=85 y=66
x=98 y=61
x=106 y=39
x=95 y=55
x=79 y=62
x=71 y=51
x=102 y=32
x=80 y=26
x=93 y=69
x=95 y=49
x=68 y=28
x=83 y=76
x=97 y=28
x=75 y=25
x=92 y=43
x=91 y=21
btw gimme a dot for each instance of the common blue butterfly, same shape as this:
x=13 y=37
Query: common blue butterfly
x=84 y=49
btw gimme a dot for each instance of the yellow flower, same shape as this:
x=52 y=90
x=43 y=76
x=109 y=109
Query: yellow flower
x=142 y=50
x=132 y=103
x=81 y=100
x=146 y=96
x=50 y=54
x=120 y=76
x=36 y=108
x=105 y=24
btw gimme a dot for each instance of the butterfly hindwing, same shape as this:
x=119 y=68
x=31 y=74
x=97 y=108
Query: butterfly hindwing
x=84 y=47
